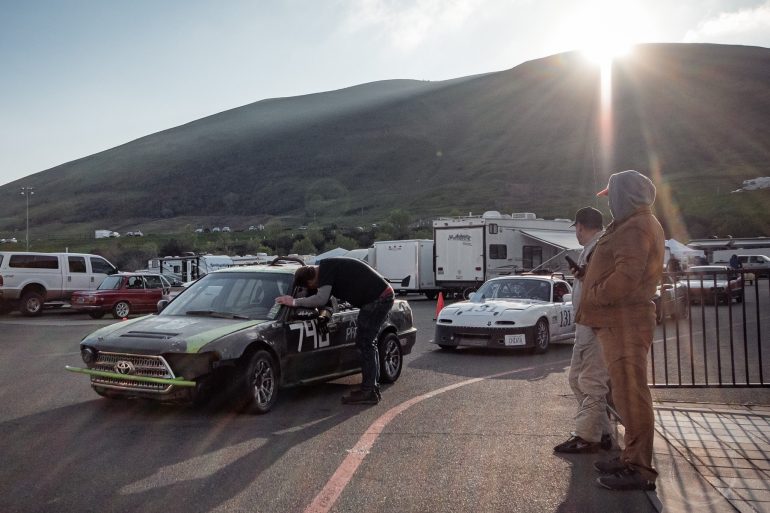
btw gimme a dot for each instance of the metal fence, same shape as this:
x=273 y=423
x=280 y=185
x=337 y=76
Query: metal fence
x=716 y=336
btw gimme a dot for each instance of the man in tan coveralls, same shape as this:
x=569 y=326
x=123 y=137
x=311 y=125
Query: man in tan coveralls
x=588 y=375
x=616 y=301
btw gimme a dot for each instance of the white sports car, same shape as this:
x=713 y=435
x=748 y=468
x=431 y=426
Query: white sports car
x=510 y=312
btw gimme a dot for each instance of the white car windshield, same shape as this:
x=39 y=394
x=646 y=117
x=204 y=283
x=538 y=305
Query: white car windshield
x=236 y=295
x=515 y=288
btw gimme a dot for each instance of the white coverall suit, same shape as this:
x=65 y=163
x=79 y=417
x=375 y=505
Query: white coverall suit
x=588 y=375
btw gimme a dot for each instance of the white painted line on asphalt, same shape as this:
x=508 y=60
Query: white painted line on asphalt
x=326 y=498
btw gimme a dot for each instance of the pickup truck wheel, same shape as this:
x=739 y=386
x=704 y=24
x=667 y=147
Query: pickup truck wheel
x=31 y=304
x=257 y=384
x=121 y=310
x=96 y=315
x=391 y=358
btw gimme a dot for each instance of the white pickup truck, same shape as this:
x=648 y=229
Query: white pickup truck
x=29 y=280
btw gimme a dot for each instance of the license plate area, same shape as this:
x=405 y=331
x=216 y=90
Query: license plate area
x=515 y=340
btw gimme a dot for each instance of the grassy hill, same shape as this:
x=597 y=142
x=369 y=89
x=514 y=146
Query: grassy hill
x=694 y=117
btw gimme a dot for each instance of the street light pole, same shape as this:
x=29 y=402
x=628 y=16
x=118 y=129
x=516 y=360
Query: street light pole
x=27 y=192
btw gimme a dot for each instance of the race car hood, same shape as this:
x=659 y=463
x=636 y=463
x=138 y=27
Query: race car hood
x=488 y=307
x=159 y=334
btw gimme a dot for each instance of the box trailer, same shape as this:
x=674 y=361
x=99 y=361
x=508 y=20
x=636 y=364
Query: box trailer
x=406 y=264
x=472 y=249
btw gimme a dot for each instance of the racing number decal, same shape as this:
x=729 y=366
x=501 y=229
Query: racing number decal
x=310 y=329
x=566 y=318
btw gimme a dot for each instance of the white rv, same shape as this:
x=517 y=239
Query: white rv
x=472 y=249
x=188 y=267
x=406 y=264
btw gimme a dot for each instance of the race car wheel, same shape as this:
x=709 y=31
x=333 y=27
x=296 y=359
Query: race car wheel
x=258 y=387
x=96 y=315
x=542 y=336
x=391 y=358
x=121 y=310
x=31 y=304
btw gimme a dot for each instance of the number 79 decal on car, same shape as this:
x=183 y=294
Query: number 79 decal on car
x=309 y=329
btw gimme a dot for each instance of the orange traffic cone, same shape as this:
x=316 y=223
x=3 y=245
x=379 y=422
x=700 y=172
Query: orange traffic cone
x=439 y=304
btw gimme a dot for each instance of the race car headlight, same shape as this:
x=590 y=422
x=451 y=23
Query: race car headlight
x=88 y=355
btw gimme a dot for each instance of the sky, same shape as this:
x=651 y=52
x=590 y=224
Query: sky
x=78 y=77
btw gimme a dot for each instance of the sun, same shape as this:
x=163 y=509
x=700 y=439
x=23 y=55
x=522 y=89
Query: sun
x=602 y=30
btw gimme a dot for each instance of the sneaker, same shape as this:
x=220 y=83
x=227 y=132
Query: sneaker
x=626 y=479
x=606 y=443
x=576 y=445
x=612 y=466
x=361 y=397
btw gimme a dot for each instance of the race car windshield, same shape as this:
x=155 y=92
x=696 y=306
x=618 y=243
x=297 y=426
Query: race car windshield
x=234 y=295
x=538 y=290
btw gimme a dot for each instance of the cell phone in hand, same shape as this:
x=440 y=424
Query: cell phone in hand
x=572 y=264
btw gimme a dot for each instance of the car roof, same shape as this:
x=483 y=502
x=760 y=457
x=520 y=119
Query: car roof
x=529 y=277
x=260 y=268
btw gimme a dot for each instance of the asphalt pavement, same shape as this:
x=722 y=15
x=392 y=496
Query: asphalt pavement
x=470 y=430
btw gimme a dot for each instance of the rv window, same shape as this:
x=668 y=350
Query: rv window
x=532 y=256
x=493 y=229
x=498 y=251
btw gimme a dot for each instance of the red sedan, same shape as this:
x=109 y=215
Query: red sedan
x=123 y=294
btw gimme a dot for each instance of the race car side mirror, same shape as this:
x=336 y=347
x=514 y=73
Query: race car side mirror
x=567 y=298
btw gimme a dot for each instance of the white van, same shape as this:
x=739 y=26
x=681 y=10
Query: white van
x=28 y=280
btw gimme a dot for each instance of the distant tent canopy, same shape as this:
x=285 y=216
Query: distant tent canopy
x=680 y=251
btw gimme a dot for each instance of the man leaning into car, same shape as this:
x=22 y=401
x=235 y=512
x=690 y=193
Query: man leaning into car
x=351 y=280
x=616 y=301
x=588 y=375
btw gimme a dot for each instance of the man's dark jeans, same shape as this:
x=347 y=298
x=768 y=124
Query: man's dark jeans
x=370 y=318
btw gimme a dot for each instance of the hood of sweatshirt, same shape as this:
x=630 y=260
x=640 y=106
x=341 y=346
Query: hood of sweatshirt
x=628 y=191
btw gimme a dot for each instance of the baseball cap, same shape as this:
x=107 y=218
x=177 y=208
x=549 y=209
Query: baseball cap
x=590 y=217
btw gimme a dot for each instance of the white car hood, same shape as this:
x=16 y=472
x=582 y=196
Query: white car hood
x=488 y=307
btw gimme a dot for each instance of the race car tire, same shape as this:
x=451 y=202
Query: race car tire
x=391 y=358
x=121 y=310
x=31 y=304
x=96 y=315
x=257 y=386
x=542 y=337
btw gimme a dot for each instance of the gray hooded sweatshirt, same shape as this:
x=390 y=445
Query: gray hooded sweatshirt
x=628 y=192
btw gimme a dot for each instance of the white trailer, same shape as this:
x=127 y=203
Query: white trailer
x=472 y=249
x=406 y=264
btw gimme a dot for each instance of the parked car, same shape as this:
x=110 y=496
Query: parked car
x=758 y=264
x=671 y=299
x=714 y=283
x=123 y=294
x=30 y=280
x=137 y=233
x=509 y=312
x=226 y=333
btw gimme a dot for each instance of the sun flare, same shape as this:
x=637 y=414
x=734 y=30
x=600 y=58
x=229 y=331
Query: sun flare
x=603 y=30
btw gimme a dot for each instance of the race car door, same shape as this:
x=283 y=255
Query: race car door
x=565 y=321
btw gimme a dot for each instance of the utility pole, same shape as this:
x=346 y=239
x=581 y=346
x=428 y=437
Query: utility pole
x=27 y=192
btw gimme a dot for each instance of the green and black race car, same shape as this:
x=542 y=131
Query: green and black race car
x=226 y=335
